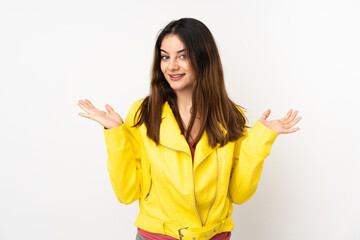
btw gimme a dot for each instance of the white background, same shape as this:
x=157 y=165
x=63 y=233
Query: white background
x=276 y=54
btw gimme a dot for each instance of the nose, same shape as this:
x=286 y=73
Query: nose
x=173 y=65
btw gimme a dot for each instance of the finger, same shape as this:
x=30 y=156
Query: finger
x=293 y=130
x=86 y=100
x=89 y=106
x=294 y=122
x=83 y=106
x=292 y=117
x=286 y=116
x=86 y=115
x=265 y=115
x=108 y=108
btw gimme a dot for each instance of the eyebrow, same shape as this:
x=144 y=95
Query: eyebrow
x=182 y=50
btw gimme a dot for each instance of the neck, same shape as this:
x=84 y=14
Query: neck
x=184 y=101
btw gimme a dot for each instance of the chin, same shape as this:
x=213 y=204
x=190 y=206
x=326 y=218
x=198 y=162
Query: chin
x=179 y=86
x=176 y=86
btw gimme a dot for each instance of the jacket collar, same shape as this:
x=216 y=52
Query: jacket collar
x=170 y=133
x=171 y=137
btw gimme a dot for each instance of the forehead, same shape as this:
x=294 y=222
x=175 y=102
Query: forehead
x=172 y=43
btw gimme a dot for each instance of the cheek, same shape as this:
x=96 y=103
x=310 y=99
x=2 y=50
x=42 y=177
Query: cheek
x=190 y=71
x=187 y=66
x=163 y=68
x=192 y=77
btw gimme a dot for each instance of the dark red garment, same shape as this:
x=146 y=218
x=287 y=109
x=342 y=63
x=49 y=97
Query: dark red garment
x=192 y=148
x=156 y=236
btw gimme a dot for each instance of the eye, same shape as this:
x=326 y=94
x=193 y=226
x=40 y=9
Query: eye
x=164 y=57
x=183 y=56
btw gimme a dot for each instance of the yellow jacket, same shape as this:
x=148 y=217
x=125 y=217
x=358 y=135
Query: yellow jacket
x=177 y=197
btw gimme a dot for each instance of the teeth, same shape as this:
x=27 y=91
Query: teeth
x=176 y=75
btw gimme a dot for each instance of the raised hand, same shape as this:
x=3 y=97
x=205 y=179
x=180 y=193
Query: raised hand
x=110 y=119
x=283 y=125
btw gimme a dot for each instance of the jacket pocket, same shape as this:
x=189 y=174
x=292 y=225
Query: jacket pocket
x=148 y=194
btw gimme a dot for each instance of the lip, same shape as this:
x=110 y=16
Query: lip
x=176 y=78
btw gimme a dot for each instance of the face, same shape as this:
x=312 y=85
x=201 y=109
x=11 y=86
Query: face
x=175 y=64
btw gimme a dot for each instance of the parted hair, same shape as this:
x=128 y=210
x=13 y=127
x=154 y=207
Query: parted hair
x=209 y=98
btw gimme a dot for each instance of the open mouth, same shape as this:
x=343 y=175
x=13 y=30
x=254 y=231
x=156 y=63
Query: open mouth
x=175 y=77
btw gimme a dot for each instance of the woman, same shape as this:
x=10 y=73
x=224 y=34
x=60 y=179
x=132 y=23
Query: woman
x=184 y=151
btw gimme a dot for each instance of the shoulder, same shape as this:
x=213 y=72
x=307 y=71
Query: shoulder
x=241 y=119
x=130 y=118
x=240 y=109
x=138 y=103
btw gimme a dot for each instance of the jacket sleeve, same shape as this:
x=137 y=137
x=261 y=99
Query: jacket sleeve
x=123 y=163
x=250 y=153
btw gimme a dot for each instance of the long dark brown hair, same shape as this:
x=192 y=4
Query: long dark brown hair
x=209 y=98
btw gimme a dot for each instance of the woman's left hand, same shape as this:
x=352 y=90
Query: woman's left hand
x=283 y=125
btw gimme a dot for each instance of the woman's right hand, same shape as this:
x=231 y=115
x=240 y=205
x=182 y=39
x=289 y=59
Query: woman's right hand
x=108 y=120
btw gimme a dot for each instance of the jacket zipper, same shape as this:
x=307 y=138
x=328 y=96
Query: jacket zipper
x=197 y=211
x=147 y=195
